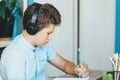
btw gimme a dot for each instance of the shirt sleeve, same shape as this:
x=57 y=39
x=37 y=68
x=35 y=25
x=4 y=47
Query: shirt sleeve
x=14 y=65
x=50 y=51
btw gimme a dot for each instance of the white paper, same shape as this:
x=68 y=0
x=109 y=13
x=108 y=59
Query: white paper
x=61 y=78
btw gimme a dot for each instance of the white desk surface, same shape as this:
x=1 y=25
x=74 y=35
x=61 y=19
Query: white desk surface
x=94 y=74
x=76 y=78
x=4 y=43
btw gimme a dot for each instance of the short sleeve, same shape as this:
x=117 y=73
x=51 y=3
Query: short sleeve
x=50 y=51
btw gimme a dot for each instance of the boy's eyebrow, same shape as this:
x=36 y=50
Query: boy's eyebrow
x=52 y=31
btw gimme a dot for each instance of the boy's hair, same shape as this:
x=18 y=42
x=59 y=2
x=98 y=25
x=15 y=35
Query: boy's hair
x=48 y=14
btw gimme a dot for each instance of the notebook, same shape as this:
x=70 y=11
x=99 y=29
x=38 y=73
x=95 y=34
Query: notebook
x=70 y=78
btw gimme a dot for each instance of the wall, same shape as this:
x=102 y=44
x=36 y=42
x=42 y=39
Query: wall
x=20 y=18
x=97 y=32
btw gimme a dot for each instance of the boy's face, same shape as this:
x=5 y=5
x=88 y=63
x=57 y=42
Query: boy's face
x=42 y=37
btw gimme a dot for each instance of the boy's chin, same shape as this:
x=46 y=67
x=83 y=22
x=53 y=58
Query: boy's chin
x=42 y=45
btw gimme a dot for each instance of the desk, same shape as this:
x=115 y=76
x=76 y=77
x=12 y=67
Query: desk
x=94 y=74
x=4 y=43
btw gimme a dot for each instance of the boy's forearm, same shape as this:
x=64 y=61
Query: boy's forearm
x=70 y=68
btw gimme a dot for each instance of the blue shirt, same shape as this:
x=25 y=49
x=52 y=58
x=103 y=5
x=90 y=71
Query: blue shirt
x=22 y=61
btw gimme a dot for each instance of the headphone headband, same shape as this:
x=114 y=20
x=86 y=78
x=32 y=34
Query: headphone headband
x=35 y=13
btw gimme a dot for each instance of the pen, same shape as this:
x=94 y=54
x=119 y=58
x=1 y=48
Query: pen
x=78 y=57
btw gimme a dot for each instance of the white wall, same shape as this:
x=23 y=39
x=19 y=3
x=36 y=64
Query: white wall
x=97 y=32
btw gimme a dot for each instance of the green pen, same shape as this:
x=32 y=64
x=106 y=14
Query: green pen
x=78 y=57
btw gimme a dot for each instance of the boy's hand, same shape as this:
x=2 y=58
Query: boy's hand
x=82 y=71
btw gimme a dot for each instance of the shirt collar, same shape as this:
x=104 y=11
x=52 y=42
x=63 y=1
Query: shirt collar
x=26 y=43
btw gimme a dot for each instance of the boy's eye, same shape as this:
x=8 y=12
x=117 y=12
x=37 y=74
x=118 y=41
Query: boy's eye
x=48 y=33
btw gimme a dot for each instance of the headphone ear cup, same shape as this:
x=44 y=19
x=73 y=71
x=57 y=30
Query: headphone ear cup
x=32 y=29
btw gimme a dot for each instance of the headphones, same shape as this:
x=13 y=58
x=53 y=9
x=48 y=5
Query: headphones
x=32 y=27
